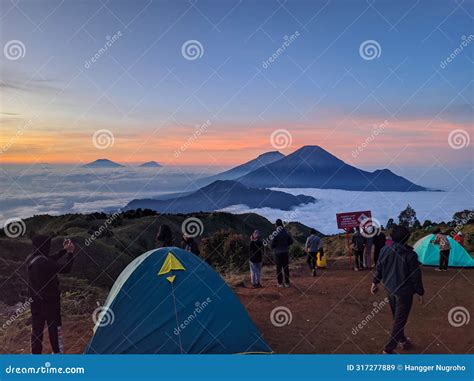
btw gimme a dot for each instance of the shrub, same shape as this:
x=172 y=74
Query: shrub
x=296 y=251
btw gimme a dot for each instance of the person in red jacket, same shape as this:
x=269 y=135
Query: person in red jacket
x=43 y=287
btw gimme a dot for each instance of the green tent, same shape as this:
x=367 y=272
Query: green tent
x=428 y=253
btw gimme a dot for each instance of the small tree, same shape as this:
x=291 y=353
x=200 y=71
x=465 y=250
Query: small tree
x=464 y=217
x=407 y=217
x=427 y=224
x=417 y=224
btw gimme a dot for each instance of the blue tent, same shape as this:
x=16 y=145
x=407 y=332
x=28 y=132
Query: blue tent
x=428 y=253
x=170 y=301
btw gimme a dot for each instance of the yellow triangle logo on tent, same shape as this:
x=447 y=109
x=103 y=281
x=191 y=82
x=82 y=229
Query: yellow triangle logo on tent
x=171 y=278
x=170 y=263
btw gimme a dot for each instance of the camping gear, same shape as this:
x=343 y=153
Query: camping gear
x=321 y=260
x=170 y=301
x=428 y=253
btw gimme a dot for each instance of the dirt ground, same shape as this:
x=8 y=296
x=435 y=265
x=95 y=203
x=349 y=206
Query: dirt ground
x=326 y=310
x=323 y=313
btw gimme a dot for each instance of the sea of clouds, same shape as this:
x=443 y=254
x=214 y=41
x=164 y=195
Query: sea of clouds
x=321 y=215
x=44 y=189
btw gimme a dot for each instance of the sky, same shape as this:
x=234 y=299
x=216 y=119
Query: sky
x=377 y=83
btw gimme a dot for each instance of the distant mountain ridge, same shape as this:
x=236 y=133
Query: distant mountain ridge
x=150 y=164
x=221 y=194
x=103 y=163
x=314 y=167
x=243 y=169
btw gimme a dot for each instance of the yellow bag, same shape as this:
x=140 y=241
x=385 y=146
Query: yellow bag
x=321 y=262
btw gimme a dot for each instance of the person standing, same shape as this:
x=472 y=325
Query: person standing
x=280 y=244
x=312 y=246
x=43 y=287
x=358 y=243
x=399 y=270
x=444 y=249
x=256 y=258
x=369 y=243
x=164 y=238
x=379 y=243
x=189 y=244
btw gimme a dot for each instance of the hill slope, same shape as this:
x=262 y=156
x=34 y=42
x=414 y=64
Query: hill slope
x=314 y=167
x=221 y=194
x=123 y=237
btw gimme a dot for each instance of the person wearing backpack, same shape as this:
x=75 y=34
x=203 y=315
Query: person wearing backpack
x=312 y=246
x=399 y=270
x=358 y=243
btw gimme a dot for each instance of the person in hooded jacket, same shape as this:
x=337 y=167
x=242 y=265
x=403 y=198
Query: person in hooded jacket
x=399 y=270
x=43 y=287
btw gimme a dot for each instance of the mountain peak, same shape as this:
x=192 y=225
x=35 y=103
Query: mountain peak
x=270 y=153
x=150 y=164
x=311 y=166
x=102 y=163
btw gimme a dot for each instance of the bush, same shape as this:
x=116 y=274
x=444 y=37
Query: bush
x=296 y=251
x=225 y=250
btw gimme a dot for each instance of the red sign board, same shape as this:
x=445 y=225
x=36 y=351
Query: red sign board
x=352 y=219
